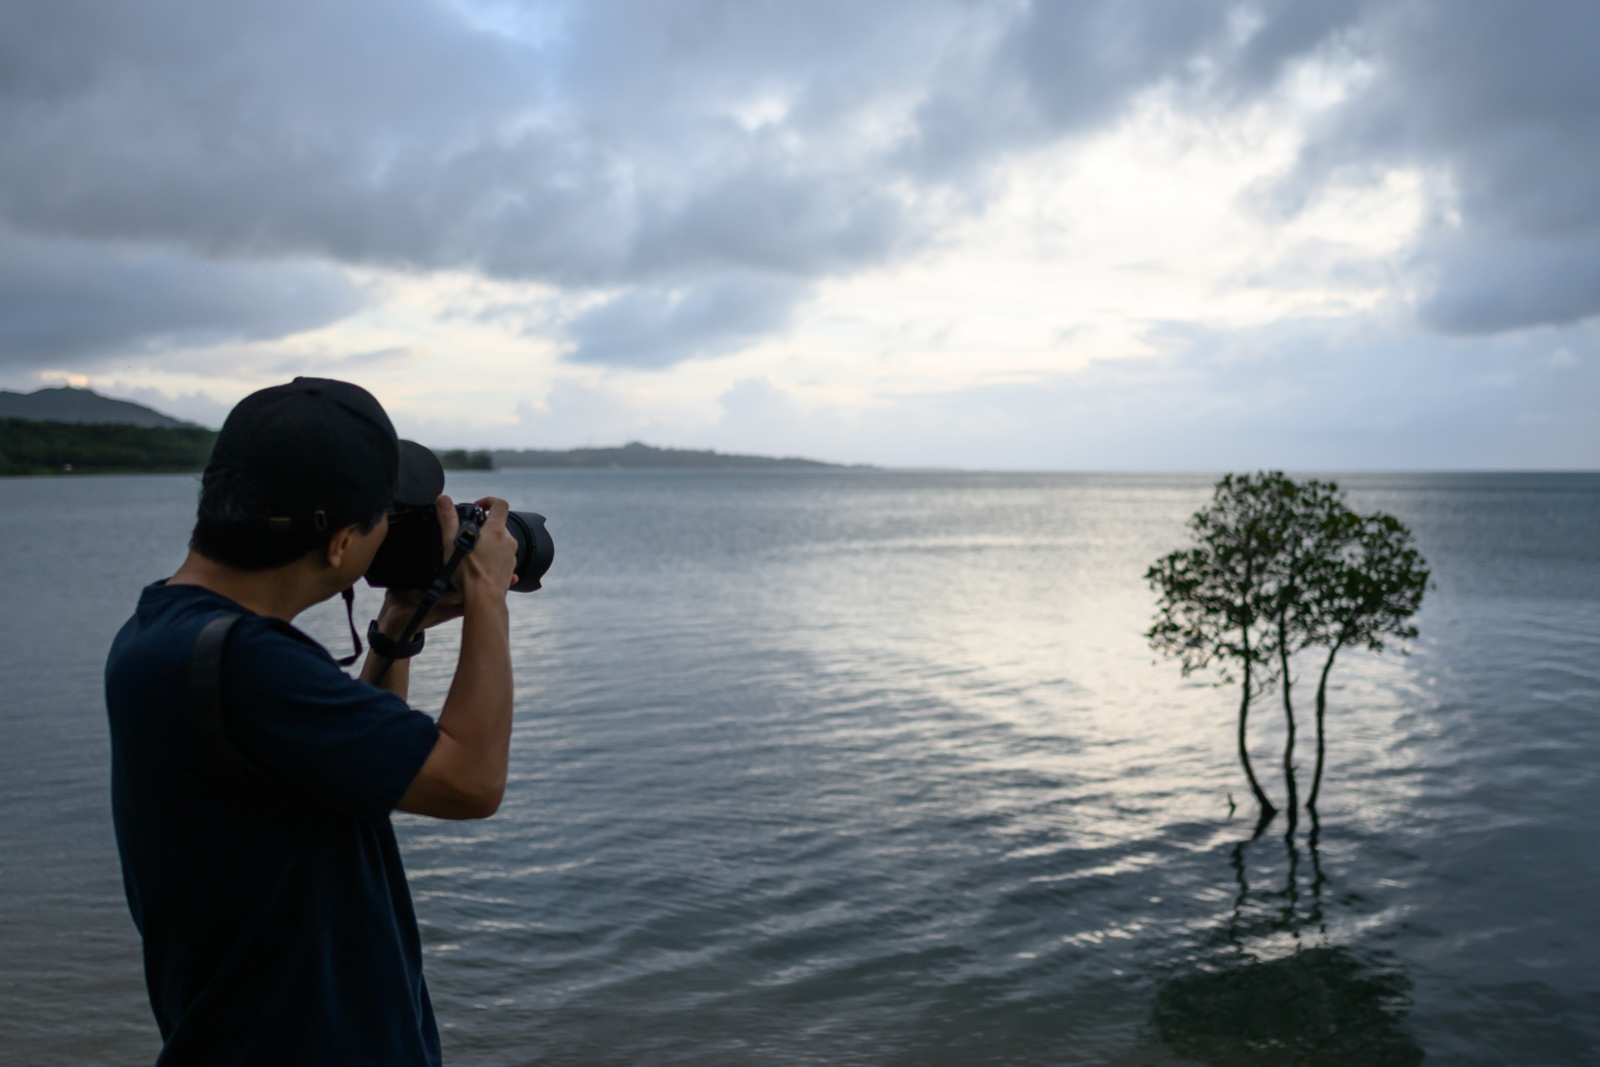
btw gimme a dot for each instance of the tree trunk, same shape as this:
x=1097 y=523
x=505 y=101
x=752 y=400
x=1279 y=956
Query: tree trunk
x=1317 y=879
x=1267 y=810
x=1288 y=718
x=1322 y=707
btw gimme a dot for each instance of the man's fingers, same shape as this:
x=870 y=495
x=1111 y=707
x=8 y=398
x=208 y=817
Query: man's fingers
x=496 y=553
x=498 y=509
x=449 y=522
x=449 y=607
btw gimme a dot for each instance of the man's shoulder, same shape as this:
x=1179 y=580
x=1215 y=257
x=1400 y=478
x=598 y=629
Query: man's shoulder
x=264 y=637
x=179 y=611
x=155 y=646
x=154 y=643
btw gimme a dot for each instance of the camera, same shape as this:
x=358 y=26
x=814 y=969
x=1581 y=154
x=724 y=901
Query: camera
x=412 y=553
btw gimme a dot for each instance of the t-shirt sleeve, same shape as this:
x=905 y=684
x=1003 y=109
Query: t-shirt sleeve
x=311 y=731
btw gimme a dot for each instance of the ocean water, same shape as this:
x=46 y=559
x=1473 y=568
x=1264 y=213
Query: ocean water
x=875 y=768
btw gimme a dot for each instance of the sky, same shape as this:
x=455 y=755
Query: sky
x=1082 y=234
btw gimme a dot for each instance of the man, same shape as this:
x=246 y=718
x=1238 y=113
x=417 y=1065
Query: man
x=257 y=854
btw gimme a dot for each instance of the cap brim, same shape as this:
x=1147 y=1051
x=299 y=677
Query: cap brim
x=421 y=477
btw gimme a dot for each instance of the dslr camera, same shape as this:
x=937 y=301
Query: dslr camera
x=411 y=555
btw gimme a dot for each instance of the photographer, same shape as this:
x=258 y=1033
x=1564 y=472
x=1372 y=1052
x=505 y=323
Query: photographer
x=253 y=780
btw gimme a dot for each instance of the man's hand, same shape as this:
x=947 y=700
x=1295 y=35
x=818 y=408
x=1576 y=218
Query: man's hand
x=400 y=604
x=494 y=561
x=465 y=775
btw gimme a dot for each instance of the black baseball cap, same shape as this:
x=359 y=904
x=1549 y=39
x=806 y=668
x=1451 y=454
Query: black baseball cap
x=323 y=453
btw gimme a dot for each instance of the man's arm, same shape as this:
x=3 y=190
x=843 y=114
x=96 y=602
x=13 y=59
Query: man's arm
x=465 y=775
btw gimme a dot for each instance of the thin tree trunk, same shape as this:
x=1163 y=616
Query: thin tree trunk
x=1267 y=810
x=1322 y=707
x=1288 y=718
x=1317 y=880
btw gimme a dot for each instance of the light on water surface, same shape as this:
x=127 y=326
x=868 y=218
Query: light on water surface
x=875 y=768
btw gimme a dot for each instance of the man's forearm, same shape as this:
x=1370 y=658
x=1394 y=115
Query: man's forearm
x=477 y=712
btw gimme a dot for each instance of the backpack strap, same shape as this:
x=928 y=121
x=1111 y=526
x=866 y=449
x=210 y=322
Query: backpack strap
x=205 y=699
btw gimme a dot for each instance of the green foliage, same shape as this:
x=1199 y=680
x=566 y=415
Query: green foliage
x=1210 y=595
x=28 y=447
x=1366 y=588
x=459 y=459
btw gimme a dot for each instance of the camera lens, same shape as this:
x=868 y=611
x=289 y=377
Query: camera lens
x=535 y=549
x=409 y=557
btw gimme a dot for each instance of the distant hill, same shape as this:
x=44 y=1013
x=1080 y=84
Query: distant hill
x=636 y=456
x=85 y=406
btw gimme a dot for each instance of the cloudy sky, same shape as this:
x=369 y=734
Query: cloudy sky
x=1076 y=234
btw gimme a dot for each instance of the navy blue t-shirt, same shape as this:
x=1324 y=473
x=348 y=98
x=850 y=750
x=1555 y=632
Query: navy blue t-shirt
x=277 y=923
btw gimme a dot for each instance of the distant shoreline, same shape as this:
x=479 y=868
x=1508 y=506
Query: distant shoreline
x=638 y=456
x=31 y=447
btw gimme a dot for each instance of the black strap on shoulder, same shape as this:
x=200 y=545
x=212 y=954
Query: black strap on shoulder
x=205 y=699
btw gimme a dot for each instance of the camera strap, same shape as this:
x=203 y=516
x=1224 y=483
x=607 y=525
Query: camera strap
x=205 y=692
x=466 y=541
x=205 y=700
x=350 y=617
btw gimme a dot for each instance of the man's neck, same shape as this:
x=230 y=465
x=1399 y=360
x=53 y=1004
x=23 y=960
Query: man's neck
x=281 y=593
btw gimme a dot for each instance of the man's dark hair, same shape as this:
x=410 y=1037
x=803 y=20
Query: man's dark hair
x=232 y=527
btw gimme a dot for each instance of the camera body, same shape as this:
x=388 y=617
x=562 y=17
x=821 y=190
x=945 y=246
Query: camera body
x=413 y=552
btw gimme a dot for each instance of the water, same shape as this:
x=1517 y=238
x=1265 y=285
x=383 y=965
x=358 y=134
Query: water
x=874 y=768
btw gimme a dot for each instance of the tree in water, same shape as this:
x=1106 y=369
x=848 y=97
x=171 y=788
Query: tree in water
x=1279 y=567
x=1211 y=601
x=1368 y=585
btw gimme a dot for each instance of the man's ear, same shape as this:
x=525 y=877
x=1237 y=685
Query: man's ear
x=339 y=545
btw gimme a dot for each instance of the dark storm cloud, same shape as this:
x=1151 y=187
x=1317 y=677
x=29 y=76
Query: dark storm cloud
x=1061 y=69
x=606 y=149
x=1504 y=99
x=690 y=148
x=1492 y=281
x=62 y=302
x=652 y=327
x=397 y=134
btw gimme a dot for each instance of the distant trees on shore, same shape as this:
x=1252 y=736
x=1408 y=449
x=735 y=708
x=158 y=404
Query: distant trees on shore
x=1276 y=568
x=461 y=459
x=29 y=447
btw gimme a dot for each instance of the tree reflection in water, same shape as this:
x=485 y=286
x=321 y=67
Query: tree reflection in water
x=1318 y=1007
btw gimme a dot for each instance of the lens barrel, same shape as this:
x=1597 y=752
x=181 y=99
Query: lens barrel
x=536 y=550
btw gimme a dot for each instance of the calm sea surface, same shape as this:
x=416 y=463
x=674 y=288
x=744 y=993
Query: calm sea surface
x=875 y=768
